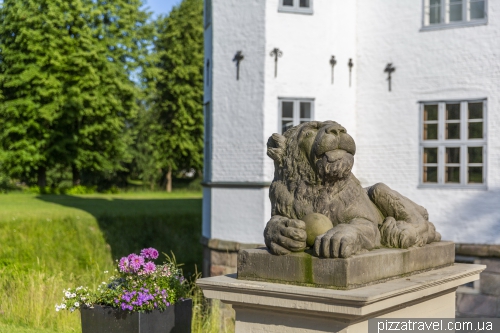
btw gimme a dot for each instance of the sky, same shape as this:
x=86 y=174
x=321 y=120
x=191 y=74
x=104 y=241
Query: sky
x=160 y=6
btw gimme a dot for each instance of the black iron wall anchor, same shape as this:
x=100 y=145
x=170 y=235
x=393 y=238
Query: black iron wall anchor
x=389 y=69
x=351 y=65
x=276 y=53
x=333 y=62
x=238 y=58
x=208 y=72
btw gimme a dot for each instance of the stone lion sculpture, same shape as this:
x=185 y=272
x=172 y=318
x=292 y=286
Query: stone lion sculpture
x=313 y=163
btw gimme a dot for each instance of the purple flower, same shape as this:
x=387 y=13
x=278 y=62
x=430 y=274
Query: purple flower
x=149 y=253
x=149 y=267
x=135 y=262
x=124 y=264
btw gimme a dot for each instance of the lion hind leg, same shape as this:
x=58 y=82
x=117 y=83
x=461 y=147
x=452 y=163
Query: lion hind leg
x=401 y=234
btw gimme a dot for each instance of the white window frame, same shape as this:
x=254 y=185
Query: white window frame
x=445 y=16
x=441 y=143
x=296 y=8
x=296 y=110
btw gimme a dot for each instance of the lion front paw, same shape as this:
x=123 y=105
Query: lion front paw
x=283 y=235
x=342 y=241
x=400 y=234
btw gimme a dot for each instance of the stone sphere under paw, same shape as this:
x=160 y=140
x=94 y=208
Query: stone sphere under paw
x=316 y=224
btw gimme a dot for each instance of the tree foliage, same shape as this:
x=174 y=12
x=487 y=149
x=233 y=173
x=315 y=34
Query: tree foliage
x=66 y=97
x=176 y=88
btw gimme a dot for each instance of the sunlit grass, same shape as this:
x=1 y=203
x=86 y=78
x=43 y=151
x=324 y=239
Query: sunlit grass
x=49 y=243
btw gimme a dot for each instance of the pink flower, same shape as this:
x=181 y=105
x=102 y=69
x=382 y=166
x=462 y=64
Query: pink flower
x=149 y=253
x=149 y=267
x=135 y=262
x=124 y=264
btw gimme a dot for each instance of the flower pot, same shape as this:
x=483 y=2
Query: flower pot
x=104 y=319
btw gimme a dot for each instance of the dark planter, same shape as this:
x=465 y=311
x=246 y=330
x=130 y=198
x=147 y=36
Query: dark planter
x=104 y=319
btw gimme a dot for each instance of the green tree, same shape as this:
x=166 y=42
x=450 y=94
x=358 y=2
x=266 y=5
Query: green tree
x=66 y=96
x=178 y=90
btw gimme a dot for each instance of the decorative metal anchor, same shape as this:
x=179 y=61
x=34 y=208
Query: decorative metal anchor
x=238 y=58
x=208 y=72
x=276 y=53
x=351 y=65
x=333 y=62
x=389 y=69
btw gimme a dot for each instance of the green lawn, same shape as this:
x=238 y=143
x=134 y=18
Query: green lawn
x=27 y=206
x=51 y=242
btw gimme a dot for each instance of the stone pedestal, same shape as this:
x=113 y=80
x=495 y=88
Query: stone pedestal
x=274 y=307
x=357 y=271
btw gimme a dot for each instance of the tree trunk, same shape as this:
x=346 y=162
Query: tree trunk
x=76 y=175
x=168 y=177
x=42 y=177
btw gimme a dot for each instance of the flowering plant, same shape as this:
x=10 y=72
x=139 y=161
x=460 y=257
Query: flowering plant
x=138 y=285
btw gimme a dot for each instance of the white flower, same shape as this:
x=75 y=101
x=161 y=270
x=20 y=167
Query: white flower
x=105 y=272
x=71 y=309
x=67 y=294
x=84 y=298
x=73 y=295
x=77 y=304
x=63 y=306
x=104 y=283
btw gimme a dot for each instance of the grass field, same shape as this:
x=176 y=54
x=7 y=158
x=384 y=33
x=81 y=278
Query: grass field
x=52 y=242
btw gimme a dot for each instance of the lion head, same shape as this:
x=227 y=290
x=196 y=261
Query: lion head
x=314 y=152
x=308 y=157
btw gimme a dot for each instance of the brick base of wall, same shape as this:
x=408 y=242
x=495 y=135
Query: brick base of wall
x=478 y=299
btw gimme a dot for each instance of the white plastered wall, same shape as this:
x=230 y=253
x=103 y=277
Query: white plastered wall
x=304 y=71
x=458 y=63
x=238 y=146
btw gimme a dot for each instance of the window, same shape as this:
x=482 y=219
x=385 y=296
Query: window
x=294 y=112
x=296 y=6
x=453 y=144
x=450 y=13
x=208 y=12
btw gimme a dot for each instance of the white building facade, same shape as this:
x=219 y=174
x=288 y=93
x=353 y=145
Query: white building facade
x=432 y=137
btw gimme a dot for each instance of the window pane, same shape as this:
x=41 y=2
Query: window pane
x=453 y=155
x=435 y=14
x=452 y=131
x=476 y=10
x=455 y=11
x=476 y=130
x=287 y=110
x=288 y=3
x=430 y=174
x=305 y=110
x=452 y=111
x=476 y=110
x=430 y=131
x=475 y=175
x=435 y=2
x=430 y=155
x=304 y=3
x=475 y=154
x=286 y=124
x=452 y=175
x=431 y=112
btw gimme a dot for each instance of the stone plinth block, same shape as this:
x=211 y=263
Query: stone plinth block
x=283 y=308
x=354 y=272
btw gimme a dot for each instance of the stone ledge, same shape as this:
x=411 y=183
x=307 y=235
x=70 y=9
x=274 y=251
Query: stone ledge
x=229 y=246
x=360 y=270
x=478 y=250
